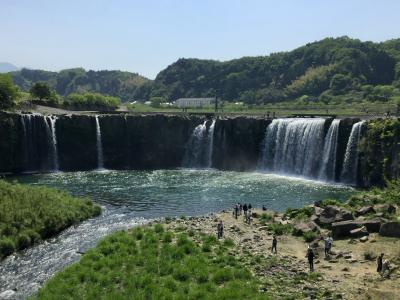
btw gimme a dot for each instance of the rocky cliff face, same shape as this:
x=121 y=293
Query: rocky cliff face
x=380 y=152
x=160 y=141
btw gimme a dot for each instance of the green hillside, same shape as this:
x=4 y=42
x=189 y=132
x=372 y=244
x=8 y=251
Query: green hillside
x=322 y=70
x=113 y=83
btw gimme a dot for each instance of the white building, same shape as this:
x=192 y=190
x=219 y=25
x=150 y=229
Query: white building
x=193 y=102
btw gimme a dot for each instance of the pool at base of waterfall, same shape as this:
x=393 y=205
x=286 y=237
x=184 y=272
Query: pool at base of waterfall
x=132 y=197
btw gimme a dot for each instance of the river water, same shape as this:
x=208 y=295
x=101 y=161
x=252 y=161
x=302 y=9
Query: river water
x=130 y=198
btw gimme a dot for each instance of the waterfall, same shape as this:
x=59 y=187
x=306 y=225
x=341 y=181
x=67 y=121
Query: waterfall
x=210 y=145
x=53 y=140
x=350 y=163
x=293 y=146
x=99 y=146
x=27 y=140
x=328 y=167
x=199 y=149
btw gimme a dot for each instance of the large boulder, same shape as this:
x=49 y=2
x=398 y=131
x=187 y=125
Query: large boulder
x=359 y=232
x=364 y=211
x=385 y=208
x=391 y=229
x=344 y=228
x=302 y=227
x=331 y=214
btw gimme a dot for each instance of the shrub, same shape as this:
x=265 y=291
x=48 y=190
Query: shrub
x=369 y=255
x=7 y=246
x=23 y=241
x=309 y=236
x=229 y=242
x=223 y=275
x=158 y=228
x=181 y=273
x=266 y=217
x=279 y=229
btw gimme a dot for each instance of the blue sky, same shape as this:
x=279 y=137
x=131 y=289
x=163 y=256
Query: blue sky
x=146 y=36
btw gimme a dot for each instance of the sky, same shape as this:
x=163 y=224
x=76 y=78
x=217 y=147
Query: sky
x=148 y=35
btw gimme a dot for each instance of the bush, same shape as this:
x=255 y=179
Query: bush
x=223 y=275
x=369 y=255
x=23 y=241
x=7 y=246
x=309 y=236
x=279 y=229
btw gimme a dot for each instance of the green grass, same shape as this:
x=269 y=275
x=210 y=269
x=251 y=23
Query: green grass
x=150 y=263
x=286 y=108
x=29 y=214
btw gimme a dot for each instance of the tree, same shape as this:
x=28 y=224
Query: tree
x=340 y=83
x=156 y=101
x=40 y=90
x=8 y=92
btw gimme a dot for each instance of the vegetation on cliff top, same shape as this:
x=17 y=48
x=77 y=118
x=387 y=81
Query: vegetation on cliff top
x=114 y=83
x=333 y=69
x=29 y=214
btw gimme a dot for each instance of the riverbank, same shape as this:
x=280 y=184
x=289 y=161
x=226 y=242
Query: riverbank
x=143 y=261
x=29 y=214
x=122 y=266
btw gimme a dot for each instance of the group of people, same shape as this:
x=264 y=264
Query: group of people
x=382 y=265
x=246 y=209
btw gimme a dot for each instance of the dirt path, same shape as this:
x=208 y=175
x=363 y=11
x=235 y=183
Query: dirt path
x=347 y=272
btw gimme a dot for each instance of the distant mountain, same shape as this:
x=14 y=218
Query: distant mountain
x=113 y=83
x=320 y=70
x=7 y=67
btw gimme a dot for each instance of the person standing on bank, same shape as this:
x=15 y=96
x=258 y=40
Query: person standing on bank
x=274 y=244
x=379 y=263
x=245 y=210
x=310 y=257
x=220 y=229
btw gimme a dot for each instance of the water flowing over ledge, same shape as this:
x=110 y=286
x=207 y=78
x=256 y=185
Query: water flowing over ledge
x=313 y=148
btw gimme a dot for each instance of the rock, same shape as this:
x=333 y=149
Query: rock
x=343 y=228
x=345 y=269
x=364 y=239
x=385 y=208
x=364 y=211
x=359 y=232
x=302 y=227
x=391 y=229
x=332 y=214
x=8 y=294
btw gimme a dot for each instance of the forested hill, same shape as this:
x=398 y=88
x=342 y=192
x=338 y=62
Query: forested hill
x=113 y=83
x=322 y=70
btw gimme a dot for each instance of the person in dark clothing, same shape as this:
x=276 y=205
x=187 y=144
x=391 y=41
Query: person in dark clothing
x=310 y=257
x=274 y=244
x=236 y=211
x=379 y=263
x=245 y=210
x=264 y=208
x=249 y=206
x=220 y=230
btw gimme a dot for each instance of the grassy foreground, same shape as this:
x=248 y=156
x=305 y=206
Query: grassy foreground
x=152 y=263
x=29 y=214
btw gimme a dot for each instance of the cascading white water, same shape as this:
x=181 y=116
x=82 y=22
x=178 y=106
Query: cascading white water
x=210 y=144
x=26 y=125
x=293 y=146
x=53 y=140
x=350 y=163
x=99 y=146
x=328 y=168
x=199 y=149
